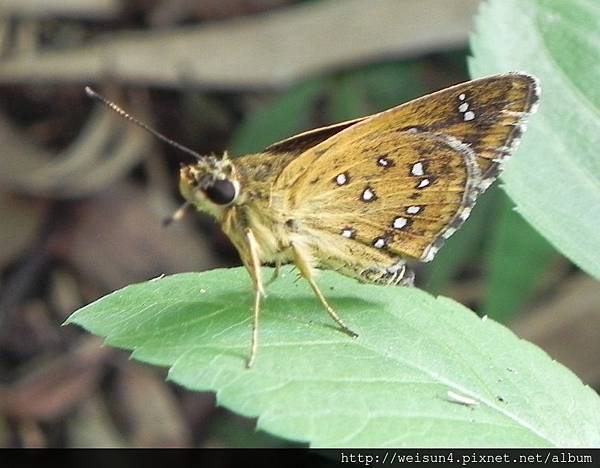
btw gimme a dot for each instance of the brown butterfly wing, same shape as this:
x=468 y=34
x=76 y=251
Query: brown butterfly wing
x=297 y=144
x=488 y=114
x=405 y=179
x=402 y=193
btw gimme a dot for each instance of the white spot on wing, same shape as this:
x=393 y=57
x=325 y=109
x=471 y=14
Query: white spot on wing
x=368 y=194
x=417 y=169
x=341 y=179
x=463 y=107
x=383 y=162
x=430 y=253
x=379 y=243
x=348 y=233
x=469 y=116
x=514 y=114
x=423 y=183
x=399 y=223
x=485 y=183
x=462 y=97
x=448 y=232
x=413 y=209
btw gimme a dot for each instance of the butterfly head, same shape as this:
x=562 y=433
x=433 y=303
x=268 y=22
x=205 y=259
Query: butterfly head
x=210 y=184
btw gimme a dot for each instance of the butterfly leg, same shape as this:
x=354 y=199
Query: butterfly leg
x=275 y=273
x=302 y=263
x=253 y=267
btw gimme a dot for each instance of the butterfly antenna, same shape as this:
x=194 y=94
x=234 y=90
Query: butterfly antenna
x=112 y=106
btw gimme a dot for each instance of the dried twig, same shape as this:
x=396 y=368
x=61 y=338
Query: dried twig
x=266 y=50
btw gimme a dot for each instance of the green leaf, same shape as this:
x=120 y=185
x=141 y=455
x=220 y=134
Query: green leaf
x=518 y=256
x=283 y=117
x=388 y=387
x=555 y=177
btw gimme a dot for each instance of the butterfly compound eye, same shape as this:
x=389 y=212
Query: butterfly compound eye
x=222 y=192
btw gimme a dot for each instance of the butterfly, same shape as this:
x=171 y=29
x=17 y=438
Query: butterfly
x=365 y=196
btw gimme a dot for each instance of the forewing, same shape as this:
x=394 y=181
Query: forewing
x=488 y=115
x=405 y=179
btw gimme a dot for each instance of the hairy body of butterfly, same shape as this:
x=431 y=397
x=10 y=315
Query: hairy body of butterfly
x=363 y=197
